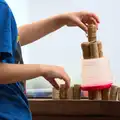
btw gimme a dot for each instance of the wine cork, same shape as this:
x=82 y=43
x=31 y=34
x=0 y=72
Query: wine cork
x=90 y=95
x=86 y=50
x=92 y=33
x=76 y=92
x=94 y=53
x=97 y=95
x=105 y=94
x=99 y=43
x=55 y=93
x=63 y=92
x=118 y=93
x=70 y=93
x=113 y=92
x=94 y=95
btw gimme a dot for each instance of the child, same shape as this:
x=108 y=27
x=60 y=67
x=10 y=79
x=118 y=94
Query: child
x=13 y=102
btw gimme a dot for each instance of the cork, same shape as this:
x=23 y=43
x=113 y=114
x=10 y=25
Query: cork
x=94 y=95
x=55 y=93
x=86 y=50
x=99 y=43
x=94 y=53
x=97 y=95
x=90 y=94
x=92 y=33
x=113 y=92
x=76 y=92
x=105 y=94
x=63 y=92
x=118 y=93
x=70 y=93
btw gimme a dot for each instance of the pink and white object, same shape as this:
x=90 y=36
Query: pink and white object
x=96 y=74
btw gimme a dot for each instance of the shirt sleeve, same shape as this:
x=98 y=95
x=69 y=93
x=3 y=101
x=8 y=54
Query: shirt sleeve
x=5 y=32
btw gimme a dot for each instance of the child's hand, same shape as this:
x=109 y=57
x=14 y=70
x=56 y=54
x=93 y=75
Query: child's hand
x=80 y=19
x=52 y=72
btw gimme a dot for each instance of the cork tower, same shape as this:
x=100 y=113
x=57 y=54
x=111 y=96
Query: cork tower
x=91 y=50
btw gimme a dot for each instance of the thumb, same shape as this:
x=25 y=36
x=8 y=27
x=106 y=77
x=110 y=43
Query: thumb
x=83 y=27
x=79 y=23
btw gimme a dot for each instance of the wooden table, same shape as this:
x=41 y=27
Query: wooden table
x=74 y=110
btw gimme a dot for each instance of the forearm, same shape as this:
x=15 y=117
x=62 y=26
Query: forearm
x=31 y=32
x=11 y=73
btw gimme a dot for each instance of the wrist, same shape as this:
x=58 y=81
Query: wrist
x=60 y=19
x=44 y=69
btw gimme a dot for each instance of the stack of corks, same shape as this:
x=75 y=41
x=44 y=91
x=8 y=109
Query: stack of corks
x=91 y=50
x=67 y=93
x=74 y=93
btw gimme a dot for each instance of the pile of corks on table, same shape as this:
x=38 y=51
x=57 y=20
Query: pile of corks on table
x=74 y=93
x=91 y=49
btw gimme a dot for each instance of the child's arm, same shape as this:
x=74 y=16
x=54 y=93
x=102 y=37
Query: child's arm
x=11 y=73
x=31 y=32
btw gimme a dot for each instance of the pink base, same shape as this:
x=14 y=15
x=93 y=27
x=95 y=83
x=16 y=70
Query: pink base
x=100 y=87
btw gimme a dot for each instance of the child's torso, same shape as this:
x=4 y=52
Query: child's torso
x=13 y=102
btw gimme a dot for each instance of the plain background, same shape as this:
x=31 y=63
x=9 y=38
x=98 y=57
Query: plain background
x=63 y=46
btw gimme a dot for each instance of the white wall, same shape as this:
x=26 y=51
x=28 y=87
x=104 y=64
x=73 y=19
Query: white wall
x=63 y=46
